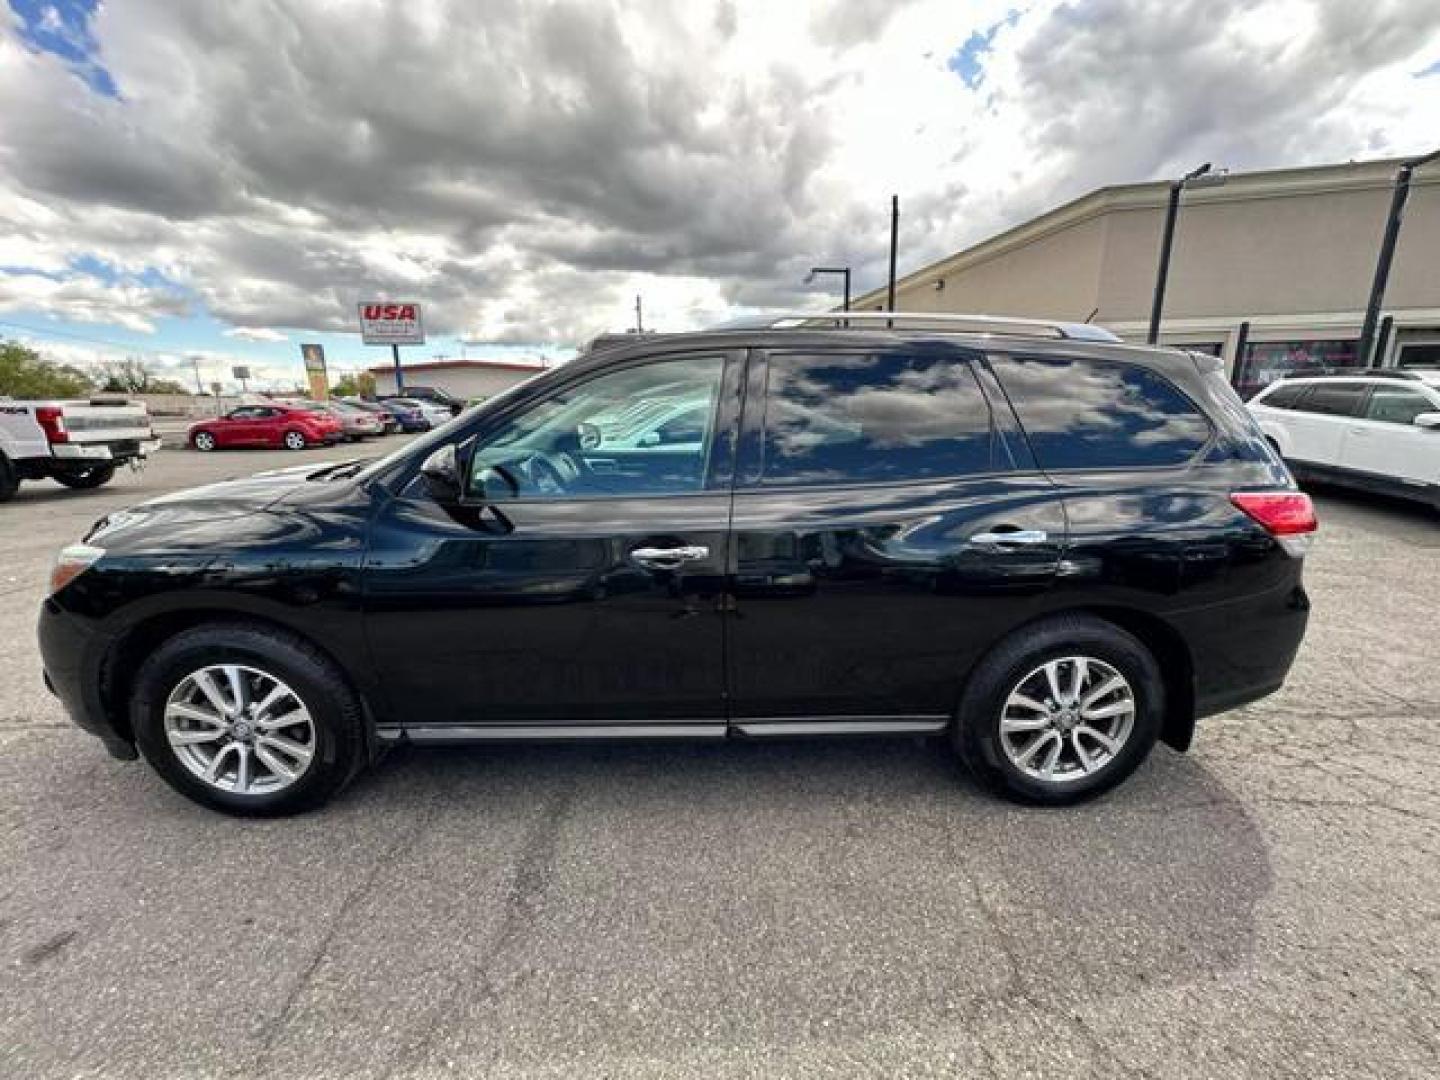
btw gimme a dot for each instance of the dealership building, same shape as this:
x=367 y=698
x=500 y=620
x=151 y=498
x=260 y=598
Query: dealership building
x=465 y=379
x=1270 y=270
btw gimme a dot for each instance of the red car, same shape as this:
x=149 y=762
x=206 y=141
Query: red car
x=266 y=425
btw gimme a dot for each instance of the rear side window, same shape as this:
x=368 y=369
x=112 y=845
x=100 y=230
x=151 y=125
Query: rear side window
x=873 y=417
x=1284 y=396
x=1100 y=414
x=1333 y=399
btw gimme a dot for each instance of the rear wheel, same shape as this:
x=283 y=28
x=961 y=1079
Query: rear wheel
x=9 y=480
x=85 y=479
x=294 y=440
x=1061 y=711
x=247 y=721
x=203 y=440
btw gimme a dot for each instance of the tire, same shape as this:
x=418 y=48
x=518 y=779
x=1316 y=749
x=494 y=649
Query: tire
x=9 y=480
x=294 y=440
x=203 y=441
x=332 y=730
x=86 y=479
x=991 y=755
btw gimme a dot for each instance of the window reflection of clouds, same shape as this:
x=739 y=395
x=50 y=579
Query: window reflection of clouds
x=1084 y=413
x=873 y=417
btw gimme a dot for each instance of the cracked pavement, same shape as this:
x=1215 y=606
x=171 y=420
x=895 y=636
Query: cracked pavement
x=1266 y=905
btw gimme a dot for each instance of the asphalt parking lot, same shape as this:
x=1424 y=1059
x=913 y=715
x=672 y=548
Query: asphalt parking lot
x=1266 y=905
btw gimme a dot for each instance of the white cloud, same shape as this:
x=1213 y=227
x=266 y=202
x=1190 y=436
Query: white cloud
x=525 y=169
x=255 y=333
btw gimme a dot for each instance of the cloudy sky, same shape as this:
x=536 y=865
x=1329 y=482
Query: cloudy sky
x=226 y=179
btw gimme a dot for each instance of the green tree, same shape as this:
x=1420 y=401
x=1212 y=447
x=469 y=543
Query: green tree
x=25 y=374
x=354 y=385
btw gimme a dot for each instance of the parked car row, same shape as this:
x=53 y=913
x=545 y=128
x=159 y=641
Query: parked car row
x=295 y=425
x=1375 y=430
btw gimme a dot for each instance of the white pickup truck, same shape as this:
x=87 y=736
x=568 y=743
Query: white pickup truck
x=78 y=443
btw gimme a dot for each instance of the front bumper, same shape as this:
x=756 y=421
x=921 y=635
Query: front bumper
x=72 y=659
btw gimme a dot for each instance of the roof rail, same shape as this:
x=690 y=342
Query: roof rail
x=1357 y=373
x=945 y=321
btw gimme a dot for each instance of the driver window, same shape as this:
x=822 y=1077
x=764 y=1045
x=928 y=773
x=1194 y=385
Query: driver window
x=640 y=431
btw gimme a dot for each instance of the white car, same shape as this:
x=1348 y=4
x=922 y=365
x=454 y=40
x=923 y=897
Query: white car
x=1378 y=430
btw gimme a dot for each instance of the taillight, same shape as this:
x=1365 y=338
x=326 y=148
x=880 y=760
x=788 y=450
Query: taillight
x=52 y=421
x=1289 y=516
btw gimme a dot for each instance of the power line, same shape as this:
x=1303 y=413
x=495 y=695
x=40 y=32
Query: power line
x=46 y=332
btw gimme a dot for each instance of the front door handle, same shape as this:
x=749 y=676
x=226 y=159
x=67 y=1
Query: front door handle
x=1017 y=536
x=669 y=558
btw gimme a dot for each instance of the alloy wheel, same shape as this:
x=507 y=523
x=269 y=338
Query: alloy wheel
x=1067 y=719
x=240 y=729
x=294 y=440
x=204 y=441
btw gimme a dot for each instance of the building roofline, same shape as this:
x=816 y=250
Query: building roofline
x=458 y=365
x=1152 y=194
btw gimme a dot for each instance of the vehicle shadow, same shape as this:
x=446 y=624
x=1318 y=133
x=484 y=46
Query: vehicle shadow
x=893 y=841
x=1359 y=506
x=532 y=901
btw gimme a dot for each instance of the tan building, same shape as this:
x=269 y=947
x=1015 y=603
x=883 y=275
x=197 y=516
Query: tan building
x=1290 y=252
x=465 y=379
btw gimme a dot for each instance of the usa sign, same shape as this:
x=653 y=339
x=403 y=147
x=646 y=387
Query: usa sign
x=383 y=322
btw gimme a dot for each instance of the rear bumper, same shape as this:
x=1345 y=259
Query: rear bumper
x=1243 y=651
x=116 y=450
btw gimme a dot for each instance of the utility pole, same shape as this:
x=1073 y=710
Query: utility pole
x=639 y=321
x=1387 y=255
x=199 y=386
x=894 y=239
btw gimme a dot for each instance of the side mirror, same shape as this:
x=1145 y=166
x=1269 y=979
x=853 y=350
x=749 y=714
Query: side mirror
x=441 y=471
x=1427 y=420
x=650 y=438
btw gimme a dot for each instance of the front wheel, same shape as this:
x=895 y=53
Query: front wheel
x=248 y=721
x=294 y=440
x=1061 y=711
x=203 y=440
x=85 y=479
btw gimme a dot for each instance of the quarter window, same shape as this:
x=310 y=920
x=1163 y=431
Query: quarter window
x=638 y=431
x=1100 y=414
x=1396 y=405
x=873 y=417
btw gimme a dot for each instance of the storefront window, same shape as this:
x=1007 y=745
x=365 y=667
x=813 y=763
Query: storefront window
x=1266 y=361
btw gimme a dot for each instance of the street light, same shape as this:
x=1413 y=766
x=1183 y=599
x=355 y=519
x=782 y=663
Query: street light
x=844 y=271
x=1387 y=254
x=1195 y=178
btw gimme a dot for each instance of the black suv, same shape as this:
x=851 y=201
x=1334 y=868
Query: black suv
x=1048 y=547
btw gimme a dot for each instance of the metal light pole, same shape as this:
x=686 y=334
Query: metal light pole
x=1387 y=255
x=894 y=242
x=843 y=271
x=1201 y=177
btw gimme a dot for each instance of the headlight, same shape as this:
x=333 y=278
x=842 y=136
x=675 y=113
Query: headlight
x=74 y=560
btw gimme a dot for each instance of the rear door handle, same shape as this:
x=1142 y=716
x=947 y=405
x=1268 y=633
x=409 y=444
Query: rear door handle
x=669 y=558
x=1016 y=536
